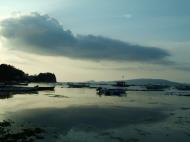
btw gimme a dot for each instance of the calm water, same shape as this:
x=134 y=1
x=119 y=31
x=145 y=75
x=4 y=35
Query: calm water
x=79 y=115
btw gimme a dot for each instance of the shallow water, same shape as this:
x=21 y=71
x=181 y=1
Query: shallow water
x=79 y=115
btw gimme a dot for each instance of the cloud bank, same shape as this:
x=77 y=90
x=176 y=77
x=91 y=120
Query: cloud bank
x=43 y=34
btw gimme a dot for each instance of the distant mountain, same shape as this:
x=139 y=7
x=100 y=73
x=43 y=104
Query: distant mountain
x=151 y=81
x=143 y=81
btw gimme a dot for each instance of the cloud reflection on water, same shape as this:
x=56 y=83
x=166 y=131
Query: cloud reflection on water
x=88 y=118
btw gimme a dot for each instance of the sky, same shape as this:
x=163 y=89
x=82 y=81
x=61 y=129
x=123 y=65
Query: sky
x=97 y=39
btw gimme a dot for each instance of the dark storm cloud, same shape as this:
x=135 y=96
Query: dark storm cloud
x=43 y=34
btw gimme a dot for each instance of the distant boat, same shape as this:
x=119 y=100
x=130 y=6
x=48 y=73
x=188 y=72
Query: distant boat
x=156 y=87
x=111 y=91
x=44 y=88
x=16 y=89
x=121 y=84
x=174 y=91
x=14 y=83
x=179 y=93
x=183 y=87
x=5 y=88
x=78 y=85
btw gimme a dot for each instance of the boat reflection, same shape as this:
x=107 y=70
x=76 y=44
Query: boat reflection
x=10 y=94
x=6 y=95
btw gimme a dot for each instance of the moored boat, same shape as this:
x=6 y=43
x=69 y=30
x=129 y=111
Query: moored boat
x=111 y=91
x=5 y=88
x=45 y=88
x=16 y=89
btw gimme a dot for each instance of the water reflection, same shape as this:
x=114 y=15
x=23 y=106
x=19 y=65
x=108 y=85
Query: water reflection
x=78 y=115
x=6 y=95
x=56 y=96
x=120 y=95
x=90 y=118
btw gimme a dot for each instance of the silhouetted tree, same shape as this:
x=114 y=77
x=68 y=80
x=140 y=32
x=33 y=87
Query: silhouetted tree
x=9 y=73
x=43 y=77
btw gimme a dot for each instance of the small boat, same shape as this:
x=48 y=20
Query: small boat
x=121 y=84
x=14 y=83
x=44 y=88
x=20 y=89
x=78 y=85
x=111 y=91
x=16 y=89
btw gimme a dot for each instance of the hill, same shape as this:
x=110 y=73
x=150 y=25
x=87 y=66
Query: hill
x=151 y=81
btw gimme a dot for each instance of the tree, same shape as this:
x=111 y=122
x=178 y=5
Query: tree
x=44 y=77
x=9 y=73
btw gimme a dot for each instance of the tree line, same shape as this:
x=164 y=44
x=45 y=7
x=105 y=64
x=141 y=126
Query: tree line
x=9 y=73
